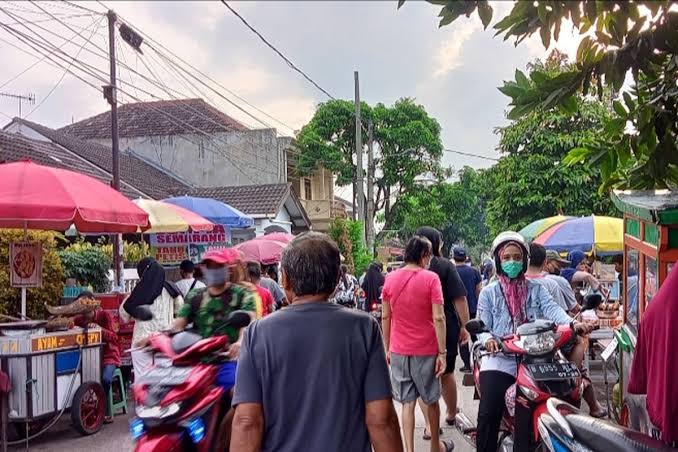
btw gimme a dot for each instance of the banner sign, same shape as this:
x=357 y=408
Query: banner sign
x=171 y=255
x=220 y=234
x=25 y=264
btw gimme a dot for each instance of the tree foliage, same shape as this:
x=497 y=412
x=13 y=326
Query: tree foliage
x=639 y=37
x=348 y=235
x=88 y=264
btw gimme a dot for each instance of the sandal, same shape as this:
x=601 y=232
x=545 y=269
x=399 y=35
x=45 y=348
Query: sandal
x=427 y=436
x=108 y=420
x=448 y=445
x=600 y=415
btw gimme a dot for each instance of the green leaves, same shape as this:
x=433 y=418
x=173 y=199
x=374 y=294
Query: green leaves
x=485 y=13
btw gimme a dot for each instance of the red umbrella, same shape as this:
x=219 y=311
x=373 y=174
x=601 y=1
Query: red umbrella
x=39 y=197
x=265 y=252
x=282 y=237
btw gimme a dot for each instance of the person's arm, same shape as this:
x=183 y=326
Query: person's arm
x=438 y=312
x=247 y=431
x=455 y=287
x=386 y=325
x=109 y=328
x=382 y=426
x=485 y=313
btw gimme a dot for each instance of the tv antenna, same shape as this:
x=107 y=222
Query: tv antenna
x=30 y=98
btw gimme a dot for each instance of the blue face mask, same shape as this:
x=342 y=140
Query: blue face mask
x=512 y=268
x=215 y=276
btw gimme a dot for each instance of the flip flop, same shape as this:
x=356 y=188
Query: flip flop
x=448 y=445
x=602 y=414
x=427 y=436
x=450 y=422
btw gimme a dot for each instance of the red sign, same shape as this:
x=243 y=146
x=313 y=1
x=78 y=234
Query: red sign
x=219 y=234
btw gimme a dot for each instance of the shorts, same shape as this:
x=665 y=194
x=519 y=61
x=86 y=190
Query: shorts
x=452 y=345
x=413 y=377
x=226 y=375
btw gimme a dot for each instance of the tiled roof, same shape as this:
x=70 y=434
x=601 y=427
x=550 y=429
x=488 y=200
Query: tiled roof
x=137 y=172
x=160 y=118
x=250 y=199
x=14 y=148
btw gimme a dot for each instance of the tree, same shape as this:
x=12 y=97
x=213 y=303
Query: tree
x=638 y=146
x=407 y=139
x=348 y=235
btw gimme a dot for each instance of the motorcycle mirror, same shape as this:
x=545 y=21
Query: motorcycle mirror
x=476 y=326
x=239 y=319
x=142 y=313
x=591 y=301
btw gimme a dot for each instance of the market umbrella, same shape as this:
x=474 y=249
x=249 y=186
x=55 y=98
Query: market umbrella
x=601 y=235
x=166 y=217
x=40 y=197
x=282 y=237
x=265 y=252
x=215 y=211
x=535 y=228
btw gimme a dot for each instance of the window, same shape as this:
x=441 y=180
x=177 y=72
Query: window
x=308 y=193
x=201 y=152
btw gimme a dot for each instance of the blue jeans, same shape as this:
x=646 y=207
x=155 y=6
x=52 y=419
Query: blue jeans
x=226 y=375
x=106 y=380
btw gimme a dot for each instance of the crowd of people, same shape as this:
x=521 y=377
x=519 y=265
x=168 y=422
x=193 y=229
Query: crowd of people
x=320 y=374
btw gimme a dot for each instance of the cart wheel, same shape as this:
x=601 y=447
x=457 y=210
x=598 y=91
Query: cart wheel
x=88 y=408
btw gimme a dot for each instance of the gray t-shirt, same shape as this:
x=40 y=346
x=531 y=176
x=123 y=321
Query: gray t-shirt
x=274 y=288
x=313 y=367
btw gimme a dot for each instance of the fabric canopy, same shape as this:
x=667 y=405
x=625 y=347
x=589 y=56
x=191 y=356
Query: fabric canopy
x=215 y=211
x=602 y=235
x=535 y=228
x=166 y=217
x=265 y=252
x=277 y=237
x=41 y=197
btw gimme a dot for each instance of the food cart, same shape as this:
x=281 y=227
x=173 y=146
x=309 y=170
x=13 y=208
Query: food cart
x=650 y=250
x=51 y=373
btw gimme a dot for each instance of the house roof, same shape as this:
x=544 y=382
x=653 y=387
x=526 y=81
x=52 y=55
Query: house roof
x=15 y=147
x=134 y=170
x=159 y=118
x=259 y=200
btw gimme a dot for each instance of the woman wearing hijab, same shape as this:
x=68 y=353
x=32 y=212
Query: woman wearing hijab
x=372 y=285
x=503 y=306
x=164 y=299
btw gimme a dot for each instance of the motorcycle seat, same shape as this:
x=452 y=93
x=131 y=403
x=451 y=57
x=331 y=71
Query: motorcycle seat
x=184 y=340
x=598 y=434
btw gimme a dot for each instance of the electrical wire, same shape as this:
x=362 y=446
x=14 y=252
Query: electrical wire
x=468 y=154
x=272 y=47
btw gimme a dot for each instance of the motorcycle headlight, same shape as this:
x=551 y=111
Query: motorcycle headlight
x=538 y=344
x=158 y=412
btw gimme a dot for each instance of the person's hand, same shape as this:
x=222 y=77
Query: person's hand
x=576 y=309
x=234 y=350
x=463 y=336
x=492 y=346
x=441 y=364
x=584 y=328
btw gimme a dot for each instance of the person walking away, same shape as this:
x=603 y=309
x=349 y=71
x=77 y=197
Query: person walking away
x=254 y=277
x=164 y=299
x=503 y=306
x=373 y=285
x=314 y=375
x=552 y=268
x=109 y=336
x=487 y=272
x=347 y=288
x=267 y=282
x=473 y=283
x=188 y=281
x=456 y=316
x=632 y=289
x=413 y=323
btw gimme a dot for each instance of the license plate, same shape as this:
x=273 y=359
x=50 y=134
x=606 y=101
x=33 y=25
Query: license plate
x=553 y=371
x=166 y=376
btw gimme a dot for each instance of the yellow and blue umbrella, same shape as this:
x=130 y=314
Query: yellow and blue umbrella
x=167 y=218
x=535 y=228
x=593 y=234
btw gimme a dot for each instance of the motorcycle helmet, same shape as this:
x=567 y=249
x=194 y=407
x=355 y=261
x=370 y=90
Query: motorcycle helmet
x=505 y=238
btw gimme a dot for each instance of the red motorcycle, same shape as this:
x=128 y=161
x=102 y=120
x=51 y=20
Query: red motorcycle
x=179 y=407
x=543 y=372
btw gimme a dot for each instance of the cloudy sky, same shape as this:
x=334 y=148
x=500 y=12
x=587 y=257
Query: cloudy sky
x=454 y=71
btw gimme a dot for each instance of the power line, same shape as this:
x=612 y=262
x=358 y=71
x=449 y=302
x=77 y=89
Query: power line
x=468 y=154
x=272 y=47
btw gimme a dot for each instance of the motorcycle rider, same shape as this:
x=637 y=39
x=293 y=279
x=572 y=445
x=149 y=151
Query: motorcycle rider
x=503 y=306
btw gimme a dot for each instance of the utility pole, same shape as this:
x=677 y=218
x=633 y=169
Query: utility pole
x=111 y=95
x=369 y=220
x=359 y=153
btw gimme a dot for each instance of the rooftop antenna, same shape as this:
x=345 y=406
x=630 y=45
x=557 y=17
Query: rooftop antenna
x=30 y=98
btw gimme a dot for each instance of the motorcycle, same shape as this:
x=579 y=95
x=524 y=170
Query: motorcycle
x=543 y=372
x=564 y=428
x=178 y=405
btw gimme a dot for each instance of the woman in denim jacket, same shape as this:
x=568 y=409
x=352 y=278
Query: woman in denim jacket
x=503 y=306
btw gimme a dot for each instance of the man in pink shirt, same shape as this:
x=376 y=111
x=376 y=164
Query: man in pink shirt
x=413 y=322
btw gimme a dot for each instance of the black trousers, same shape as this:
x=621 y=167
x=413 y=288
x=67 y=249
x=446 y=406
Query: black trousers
x=493 y=386
x=465 y=349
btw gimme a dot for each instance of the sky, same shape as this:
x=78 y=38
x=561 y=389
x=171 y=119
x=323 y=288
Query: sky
x=452 y=71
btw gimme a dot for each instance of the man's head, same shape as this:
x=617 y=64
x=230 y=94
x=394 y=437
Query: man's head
x=434 y=236
x=310 y=266
x=216 y=265
x=253 y=272
x=578 y=260
x=537 y=256
x=555 y=263
x=618 y=261
x=459 y=255
x=187 y=269
x=89 y=297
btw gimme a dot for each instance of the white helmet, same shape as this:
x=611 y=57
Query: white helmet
x=504 y=238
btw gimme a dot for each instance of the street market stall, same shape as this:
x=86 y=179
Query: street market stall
x=51 y=372
x=650 y=251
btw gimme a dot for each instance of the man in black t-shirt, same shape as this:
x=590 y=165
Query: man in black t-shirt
x=473 y=282
x=456 y=315
x=313 y=376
